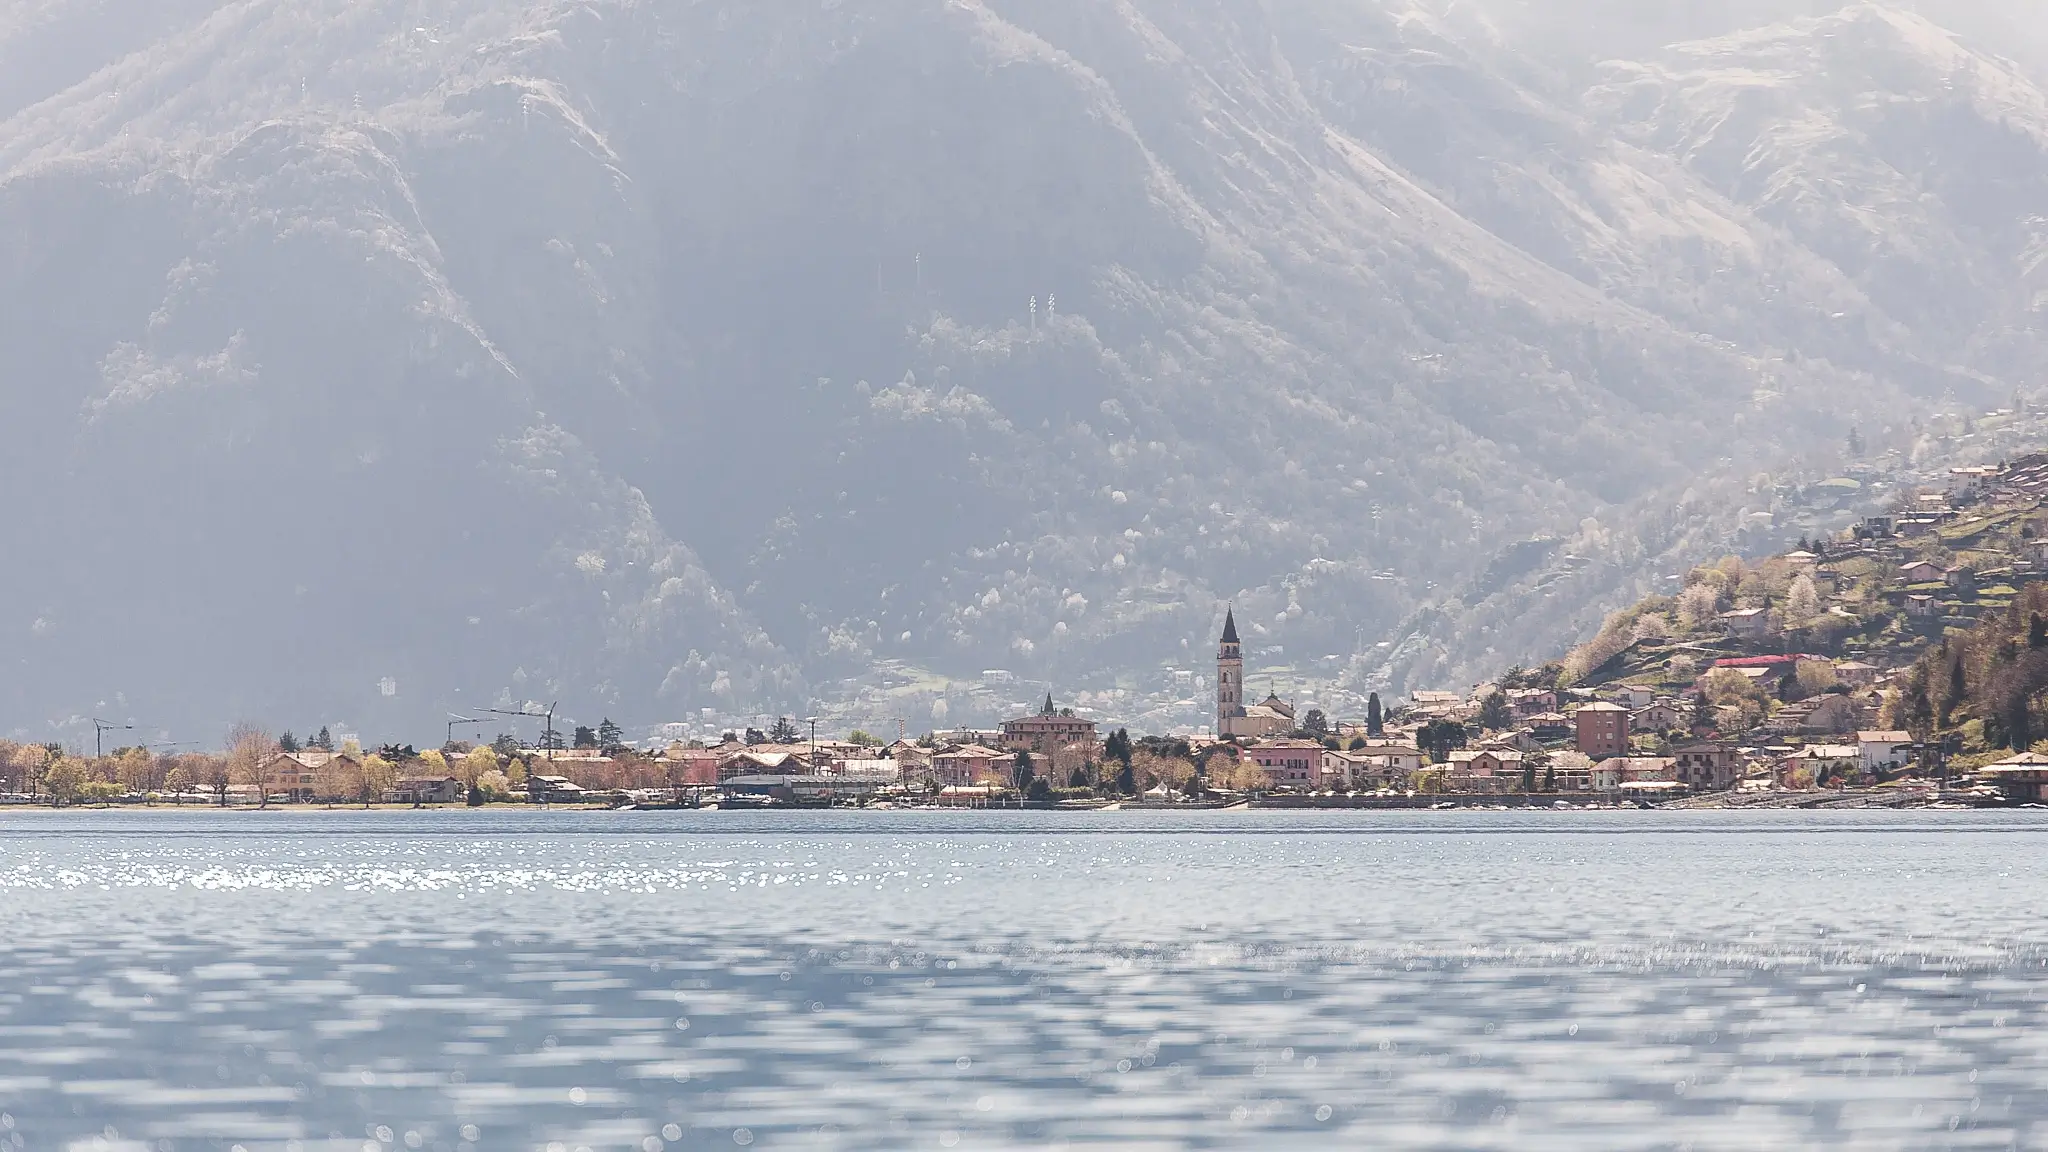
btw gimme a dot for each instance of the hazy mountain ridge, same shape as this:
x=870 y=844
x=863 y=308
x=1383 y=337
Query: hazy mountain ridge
x=686 y=350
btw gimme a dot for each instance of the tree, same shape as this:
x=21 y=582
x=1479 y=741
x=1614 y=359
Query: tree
x=322 y=740
x=506 y=745
x=1375 y=719
x=379 y=777
x=340 y=778
x=249 y=752
x=610 y=736
x=1957 y=691
x=2037 y=633
x=1021 y=771
x=135 y=769
x=288 y=742
x=64 y=781
x=494 y=785
x=177 y=782
x=1315 y=725
x=1118 y=746
x=1855 y=442
x=756 y=736
x=1802 y=601
x=862 y=739
x=213 y=776
x=784 y=732
x=586 y=737
x=1816 y=677
x=1494 y=713
x=1439 y=738
x=474 y=766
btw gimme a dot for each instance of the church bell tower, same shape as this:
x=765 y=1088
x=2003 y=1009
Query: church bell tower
x=1229 y=678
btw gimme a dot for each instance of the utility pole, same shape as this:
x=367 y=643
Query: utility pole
x=100 y=728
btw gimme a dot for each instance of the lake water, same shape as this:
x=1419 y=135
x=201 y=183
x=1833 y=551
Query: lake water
x=457 y=980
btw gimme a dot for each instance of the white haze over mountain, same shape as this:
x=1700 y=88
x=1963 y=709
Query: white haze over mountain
x=369 y=360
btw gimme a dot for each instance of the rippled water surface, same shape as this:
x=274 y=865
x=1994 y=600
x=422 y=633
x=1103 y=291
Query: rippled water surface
x=459 y=980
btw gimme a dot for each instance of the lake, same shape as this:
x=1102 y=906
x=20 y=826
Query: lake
x=1273 y=980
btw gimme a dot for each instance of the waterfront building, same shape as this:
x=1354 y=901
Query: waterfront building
x=1049 y=731
x=1602 y=729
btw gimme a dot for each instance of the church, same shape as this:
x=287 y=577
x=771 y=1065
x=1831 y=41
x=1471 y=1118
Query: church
x=1270 y=717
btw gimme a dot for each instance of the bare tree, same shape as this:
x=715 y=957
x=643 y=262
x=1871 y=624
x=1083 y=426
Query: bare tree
x=250 y=750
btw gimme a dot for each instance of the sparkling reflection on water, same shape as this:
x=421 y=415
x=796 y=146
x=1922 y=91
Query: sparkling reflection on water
x=455 y=980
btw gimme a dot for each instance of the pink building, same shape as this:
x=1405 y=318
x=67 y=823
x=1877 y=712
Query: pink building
x=1290 y=763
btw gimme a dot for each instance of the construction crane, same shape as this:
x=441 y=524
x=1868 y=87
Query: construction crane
x=454 y=721
x=100 y=728
x=548 y=733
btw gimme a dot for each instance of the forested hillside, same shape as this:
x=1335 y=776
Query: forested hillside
x=377 y=360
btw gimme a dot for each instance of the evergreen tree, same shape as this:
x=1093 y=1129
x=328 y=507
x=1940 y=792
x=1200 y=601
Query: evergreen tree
x=1021 y=773
x=1118 y=747
x=586 y=736
x=610 y=735
x=322 y=740
x=1375 y=719
x=1494 y=713
x=288 y=742
x=1957 y=690
x=784 y=732
x=2037 y=632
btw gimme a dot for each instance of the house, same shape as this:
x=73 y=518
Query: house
x=559 y=789
x=1634 y=696
x=1923 y=606
x=1707 y=767
x=1920 y=572
x=1602 y=729
x=2021 y=778
x=1487 y=770
x=1879 y=752
x=1403 y=759
x=959 y=765
x=1361 y=769
x=1550 y=726
x=1517 y=740
x=1435 y=704
x=1620 y=771
x=1747 y=623
x=1049 y=731
x=1528 y=702
x=756 y=762
x=1662 y=716
x=1290 y=763
x=1830 y=713
x=1817 y=765
x=427 y=790
x=296 y=775
x=1857 y=674
x=1962 y=578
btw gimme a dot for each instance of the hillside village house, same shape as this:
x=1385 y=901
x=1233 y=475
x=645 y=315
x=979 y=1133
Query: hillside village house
x=1528 y=702
x=1634 y=696
x=1049 y=731
x=1920 y=572
x=1747 y=623
x=1602 y=729
x=1662 y=716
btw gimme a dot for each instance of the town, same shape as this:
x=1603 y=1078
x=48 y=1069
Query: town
x=1897 y=662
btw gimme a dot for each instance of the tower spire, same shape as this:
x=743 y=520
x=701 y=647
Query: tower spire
x=1230 y=625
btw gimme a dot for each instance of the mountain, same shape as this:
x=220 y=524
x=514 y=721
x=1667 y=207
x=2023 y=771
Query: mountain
x=370 y=362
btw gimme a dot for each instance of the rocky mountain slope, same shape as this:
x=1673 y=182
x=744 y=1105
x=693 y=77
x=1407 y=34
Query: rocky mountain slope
x=369 y=361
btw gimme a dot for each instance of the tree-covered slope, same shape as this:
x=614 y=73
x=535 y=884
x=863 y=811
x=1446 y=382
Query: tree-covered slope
x=376 y=360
